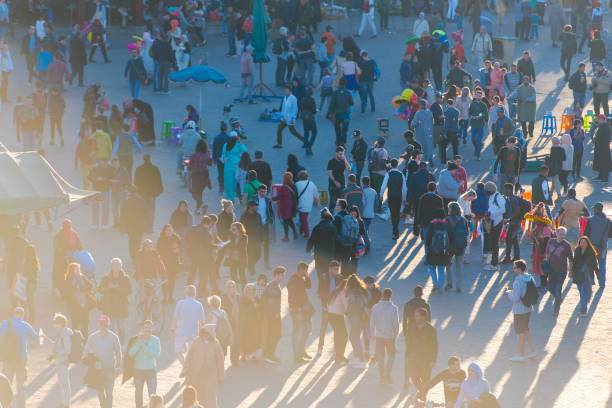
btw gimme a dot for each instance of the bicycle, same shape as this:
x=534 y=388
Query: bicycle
x=151 y=306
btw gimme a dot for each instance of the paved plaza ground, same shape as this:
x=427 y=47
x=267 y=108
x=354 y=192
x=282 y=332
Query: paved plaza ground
x=573 y=368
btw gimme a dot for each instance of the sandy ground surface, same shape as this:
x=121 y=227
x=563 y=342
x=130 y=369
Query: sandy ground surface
x=573 y=366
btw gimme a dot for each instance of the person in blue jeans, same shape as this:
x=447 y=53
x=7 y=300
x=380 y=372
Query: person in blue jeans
x=230 y=22
x=145 y=350
x=134 y=71
x=438 y=255
x=558 y=252
x=584 y=268
x=479 y=116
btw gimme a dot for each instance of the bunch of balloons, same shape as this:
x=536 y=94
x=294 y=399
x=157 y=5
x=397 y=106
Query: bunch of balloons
x=405 y=104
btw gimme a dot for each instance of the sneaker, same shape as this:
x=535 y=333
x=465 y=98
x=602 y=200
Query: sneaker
x=531 y=355
x=341 y=360
x=518 y=358
x=354 y=361
x=300 y=360
x=490 y=267
x=506 y=261
x=435 y=289
x=448 y=287
x=458 y=290
x=583 y=314
x=277 y=146
x=360 y=365
x=306 y=356
x=273 y=360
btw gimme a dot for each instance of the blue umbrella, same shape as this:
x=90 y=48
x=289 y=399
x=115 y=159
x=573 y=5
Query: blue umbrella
x=199 y=74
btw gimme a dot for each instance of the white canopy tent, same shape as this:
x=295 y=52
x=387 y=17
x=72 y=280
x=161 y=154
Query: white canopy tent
x=29 y=183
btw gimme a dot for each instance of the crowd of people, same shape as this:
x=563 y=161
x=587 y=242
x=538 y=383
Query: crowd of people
x=228 y=307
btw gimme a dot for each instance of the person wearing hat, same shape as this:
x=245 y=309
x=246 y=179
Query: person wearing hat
x=448 y=186
x=280 y=48
x=377 y=163
x=509 y=161
x=598 y=228
x=340 y=111
x=187 y=143
x=423 y=127
x=568 y=49
x=421 y=26
x=247 y=72
x=106 y=348
x=497 y=208
x=602 y=80
x=358 y=153
x=601 y=154
x=479 y=116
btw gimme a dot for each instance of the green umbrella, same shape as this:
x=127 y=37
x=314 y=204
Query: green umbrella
x=260 y=36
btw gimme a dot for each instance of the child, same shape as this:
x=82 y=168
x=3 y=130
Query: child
x=262 y=281
x=326 y=87
x=452 y=377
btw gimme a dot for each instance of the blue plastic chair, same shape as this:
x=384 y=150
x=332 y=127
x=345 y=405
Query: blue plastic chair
x=549 y=125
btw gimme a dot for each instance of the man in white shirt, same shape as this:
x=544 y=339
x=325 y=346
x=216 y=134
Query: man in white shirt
x=186 y=322
x=308 y=194
x=497 y=208
x=367 y=17
x=289 y=112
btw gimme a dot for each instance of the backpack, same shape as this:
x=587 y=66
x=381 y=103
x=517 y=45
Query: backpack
x=76 y=347
x=439 y=242
x=531 y=294
x=376 y=161
x=223 y=329
x=349 y=231
x=460 y=234
x=10 y=347
x=277 y=48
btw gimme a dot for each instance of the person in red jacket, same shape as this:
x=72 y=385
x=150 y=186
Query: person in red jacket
x=287 y=199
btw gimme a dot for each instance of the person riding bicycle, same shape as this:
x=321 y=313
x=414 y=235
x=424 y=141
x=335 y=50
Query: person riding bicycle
x=149 y=268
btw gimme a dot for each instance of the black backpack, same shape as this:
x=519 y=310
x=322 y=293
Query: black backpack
x=531 y=296
x=10 y=346
x=439 y=242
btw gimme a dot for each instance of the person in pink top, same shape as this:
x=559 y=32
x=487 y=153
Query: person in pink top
x=497 y=80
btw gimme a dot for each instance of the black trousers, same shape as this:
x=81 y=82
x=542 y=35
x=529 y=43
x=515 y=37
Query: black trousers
x=201 y=268
x=577 y=164
x=134 y=239
x=395 y=206
x=451 y=138
x=524 y=127
x=512 y=241
x=56 y=123
x=273 y=334
x=566 y=63
x=600 y=100
x=77 y=69
x=495 y=233
x=102 y=50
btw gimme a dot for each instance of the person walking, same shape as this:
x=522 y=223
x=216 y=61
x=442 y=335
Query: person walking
x=322 y=240
x=301 y=311
x=378 y=158
x=422 y=125
x=187 y=319
x=164 y=57
x=358 y=153
x=396 y=196
x=289 y=113
x=217 y=149
x=100 y=176
x=336 y=309
x=526 y=96
x=106 y=349
x=357 y=314
x=203 y=369
x=339 y=111
x=308 y=112
x=328 y=281
x=384 y=327
x=134 y=220
x=78 y=58
x=427 y=207
x=367 y=77
x=449 y=184
x=116 y=288
x=438 y=256
x=307 y=196
x=569 y=216
x=170 y=247
x=602 y=82
x=199 y=163
x=230 y=155
x=519 y=207
x=558 y=253
x=507 y=163
x=62 y=348
x=252 y=221
x=522 y=308
x=584 y=269
x=367 y=17
x=336 y=168
x=78 y=293
x=598 y=229
x=568 y=49
x=145 y=350
x=119 y=180
x=272 y=315
x=578 y=142
x=134 y=73
x=497 y=208
x=479 y=116
x=247 y=73
x=65 y=242
x=56 y=106
x=148 y=181
x=482 y=46
x=421 y=349
x=18 y=333
x=459 y=240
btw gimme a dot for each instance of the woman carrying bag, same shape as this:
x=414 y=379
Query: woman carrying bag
x=584 y=267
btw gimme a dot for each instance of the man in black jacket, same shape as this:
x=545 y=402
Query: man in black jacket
x=339 y=111
x=578 y=85
x=164 y=58
x=252 y=222
x=264 y=172
x=421 y=349
x=133 y=220
x=520 y=207
x=323 y=240
x=568 y=49
x=429 y=203
x=148 y=181
x=358 y=152
x=395 y=182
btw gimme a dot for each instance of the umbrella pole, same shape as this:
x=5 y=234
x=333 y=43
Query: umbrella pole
x=200 y=111
x=261 y=86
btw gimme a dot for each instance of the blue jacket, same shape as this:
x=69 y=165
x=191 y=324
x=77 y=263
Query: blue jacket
x=405 y=73
x=481 y=204
x=448 y=187
x=417 y=184
x=451 y=120
x=485 y=77
x=218 y=143
x=24 y=331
